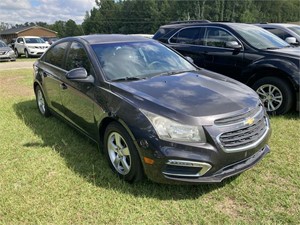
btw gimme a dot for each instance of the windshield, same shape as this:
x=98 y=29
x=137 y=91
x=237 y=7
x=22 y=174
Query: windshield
x=259 y=37
x=2 y=44
x=139 y=60
x=34 y=40
x=295 y=29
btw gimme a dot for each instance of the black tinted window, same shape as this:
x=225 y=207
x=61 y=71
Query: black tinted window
x=278 y=32
x=77 y=58
x=187 y=36
x=216 y=37
x=55 y=55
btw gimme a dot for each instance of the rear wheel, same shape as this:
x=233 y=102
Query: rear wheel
x=121 y=153
x=275 y=93
x=41 y=102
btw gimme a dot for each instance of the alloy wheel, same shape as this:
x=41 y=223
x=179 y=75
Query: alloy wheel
x=41 y=101
x=271 y=96
x=119 y=153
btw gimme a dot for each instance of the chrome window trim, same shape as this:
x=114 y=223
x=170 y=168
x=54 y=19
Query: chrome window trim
x=171 y=43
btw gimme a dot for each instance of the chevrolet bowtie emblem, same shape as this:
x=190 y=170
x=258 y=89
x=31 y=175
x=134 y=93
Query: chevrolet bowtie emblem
x=249 y=121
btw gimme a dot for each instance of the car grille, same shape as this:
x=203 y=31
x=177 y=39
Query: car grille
x=243 y=137
x=252 y=128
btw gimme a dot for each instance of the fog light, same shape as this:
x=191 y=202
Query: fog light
x=148 y=160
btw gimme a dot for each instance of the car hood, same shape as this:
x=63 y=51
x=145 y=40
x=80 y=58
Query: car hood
x=294 y=51
x=191 y=94
x=5 y=49
x=37 y=44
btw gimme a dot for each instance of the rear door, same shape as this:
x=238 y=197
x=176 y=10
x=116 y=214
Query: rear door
x=53 y=73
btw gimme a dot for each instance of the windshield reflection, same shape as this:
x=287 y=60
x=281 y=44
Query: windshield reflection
x=138 y=60
x=260 y=38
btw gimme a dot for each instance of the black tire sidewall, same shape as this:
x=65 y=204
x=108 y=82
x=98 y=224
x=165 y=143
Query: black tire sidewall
x=26 y=53
x=136 y=171
x=284 y=87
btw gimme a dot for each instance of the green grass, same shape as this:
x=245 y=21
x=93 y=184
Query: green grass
x=49 y=173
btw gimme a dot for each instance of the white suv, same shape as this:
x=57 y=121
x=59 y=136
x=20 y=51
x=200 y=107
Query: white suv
x=30 y=46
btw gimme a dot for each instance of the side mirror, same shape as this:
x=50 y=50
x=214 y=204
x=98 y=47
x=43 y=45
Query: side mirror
x=80 y=75
x=233 y=44
x=189 y=59
x=291 y=40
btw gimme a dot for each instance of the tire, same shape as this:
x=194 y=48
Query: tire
x=41 y=102
x=17 y=53
x=122 y=154
x=26 y=54
x=276 y=95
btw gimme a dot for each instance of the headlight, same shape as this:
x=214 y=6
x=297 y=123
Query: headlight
x=170 y=130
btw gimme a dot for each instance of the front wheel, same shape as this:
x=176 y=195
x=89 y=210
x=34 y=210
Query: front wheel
x=26 y=53
x=17 y=53
x=122 y=154
x=276 y=95
x=41 y=102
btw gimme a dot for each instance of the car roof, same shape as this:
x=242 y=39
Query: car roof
x=181 y=25
x=28 y=37
x=111 y=38
x=278 y=24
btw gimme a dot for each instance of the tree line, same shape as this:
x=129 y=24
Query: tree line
x=145 y=16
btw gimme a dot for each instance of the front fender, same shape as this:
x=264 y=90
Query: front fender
x=290 y=68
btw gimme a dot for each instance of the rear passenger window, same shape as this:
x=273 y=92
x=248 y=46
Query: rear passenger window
x=216 y=37
x=77 y=58
x=56 y=54
x=186 y=36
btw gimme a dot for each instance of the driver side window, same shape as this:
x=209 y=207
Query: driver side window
x=217 y=37
x=77 y=58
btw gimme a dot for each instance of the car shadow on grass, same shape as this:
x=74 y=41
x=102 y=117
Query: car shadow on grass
x=83 y=157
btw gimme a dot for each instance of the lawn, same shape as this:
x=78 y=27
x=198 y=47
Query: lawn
x=51 y=174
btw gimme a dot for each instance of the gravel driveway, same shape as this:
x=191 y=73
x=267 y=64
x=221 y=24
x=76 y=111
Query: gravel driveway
x=16 y=65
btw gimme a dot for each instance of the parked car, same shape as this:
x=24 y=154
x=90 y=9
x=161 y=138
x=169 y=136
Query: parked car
x=150 y=110
x=30 y=46
x=6 y=53
x=287 y=32
x=244 y=52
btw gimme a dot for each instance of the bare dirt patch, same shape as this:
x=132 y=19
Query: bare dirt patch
x=13 y=85
x=16 y=65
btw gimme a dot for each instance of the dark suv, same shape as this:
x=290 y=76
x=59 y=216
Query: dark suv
x=244 y=52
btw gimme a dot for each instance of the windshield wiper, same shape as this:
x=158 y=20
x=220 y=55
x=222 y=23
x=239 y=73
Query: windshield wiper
x=127 y=79
x=272 y=48
x=170 y=73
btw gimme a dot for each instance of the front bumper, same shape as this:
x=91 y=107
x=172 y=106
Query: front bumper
x=8 y=57
x=228 y=171
x=36 y=51
x=213 y=161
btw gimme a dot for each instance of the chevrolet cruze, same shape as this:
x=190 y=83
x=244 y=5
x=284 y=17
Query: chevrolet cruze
x=150 y=110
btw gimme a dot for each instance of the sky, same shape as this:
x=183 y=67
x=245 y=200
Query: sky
x=21 y=11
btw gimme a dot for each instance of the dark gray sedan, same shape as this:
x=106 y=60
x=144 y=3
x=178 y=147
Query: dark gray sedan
x=150 y=110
